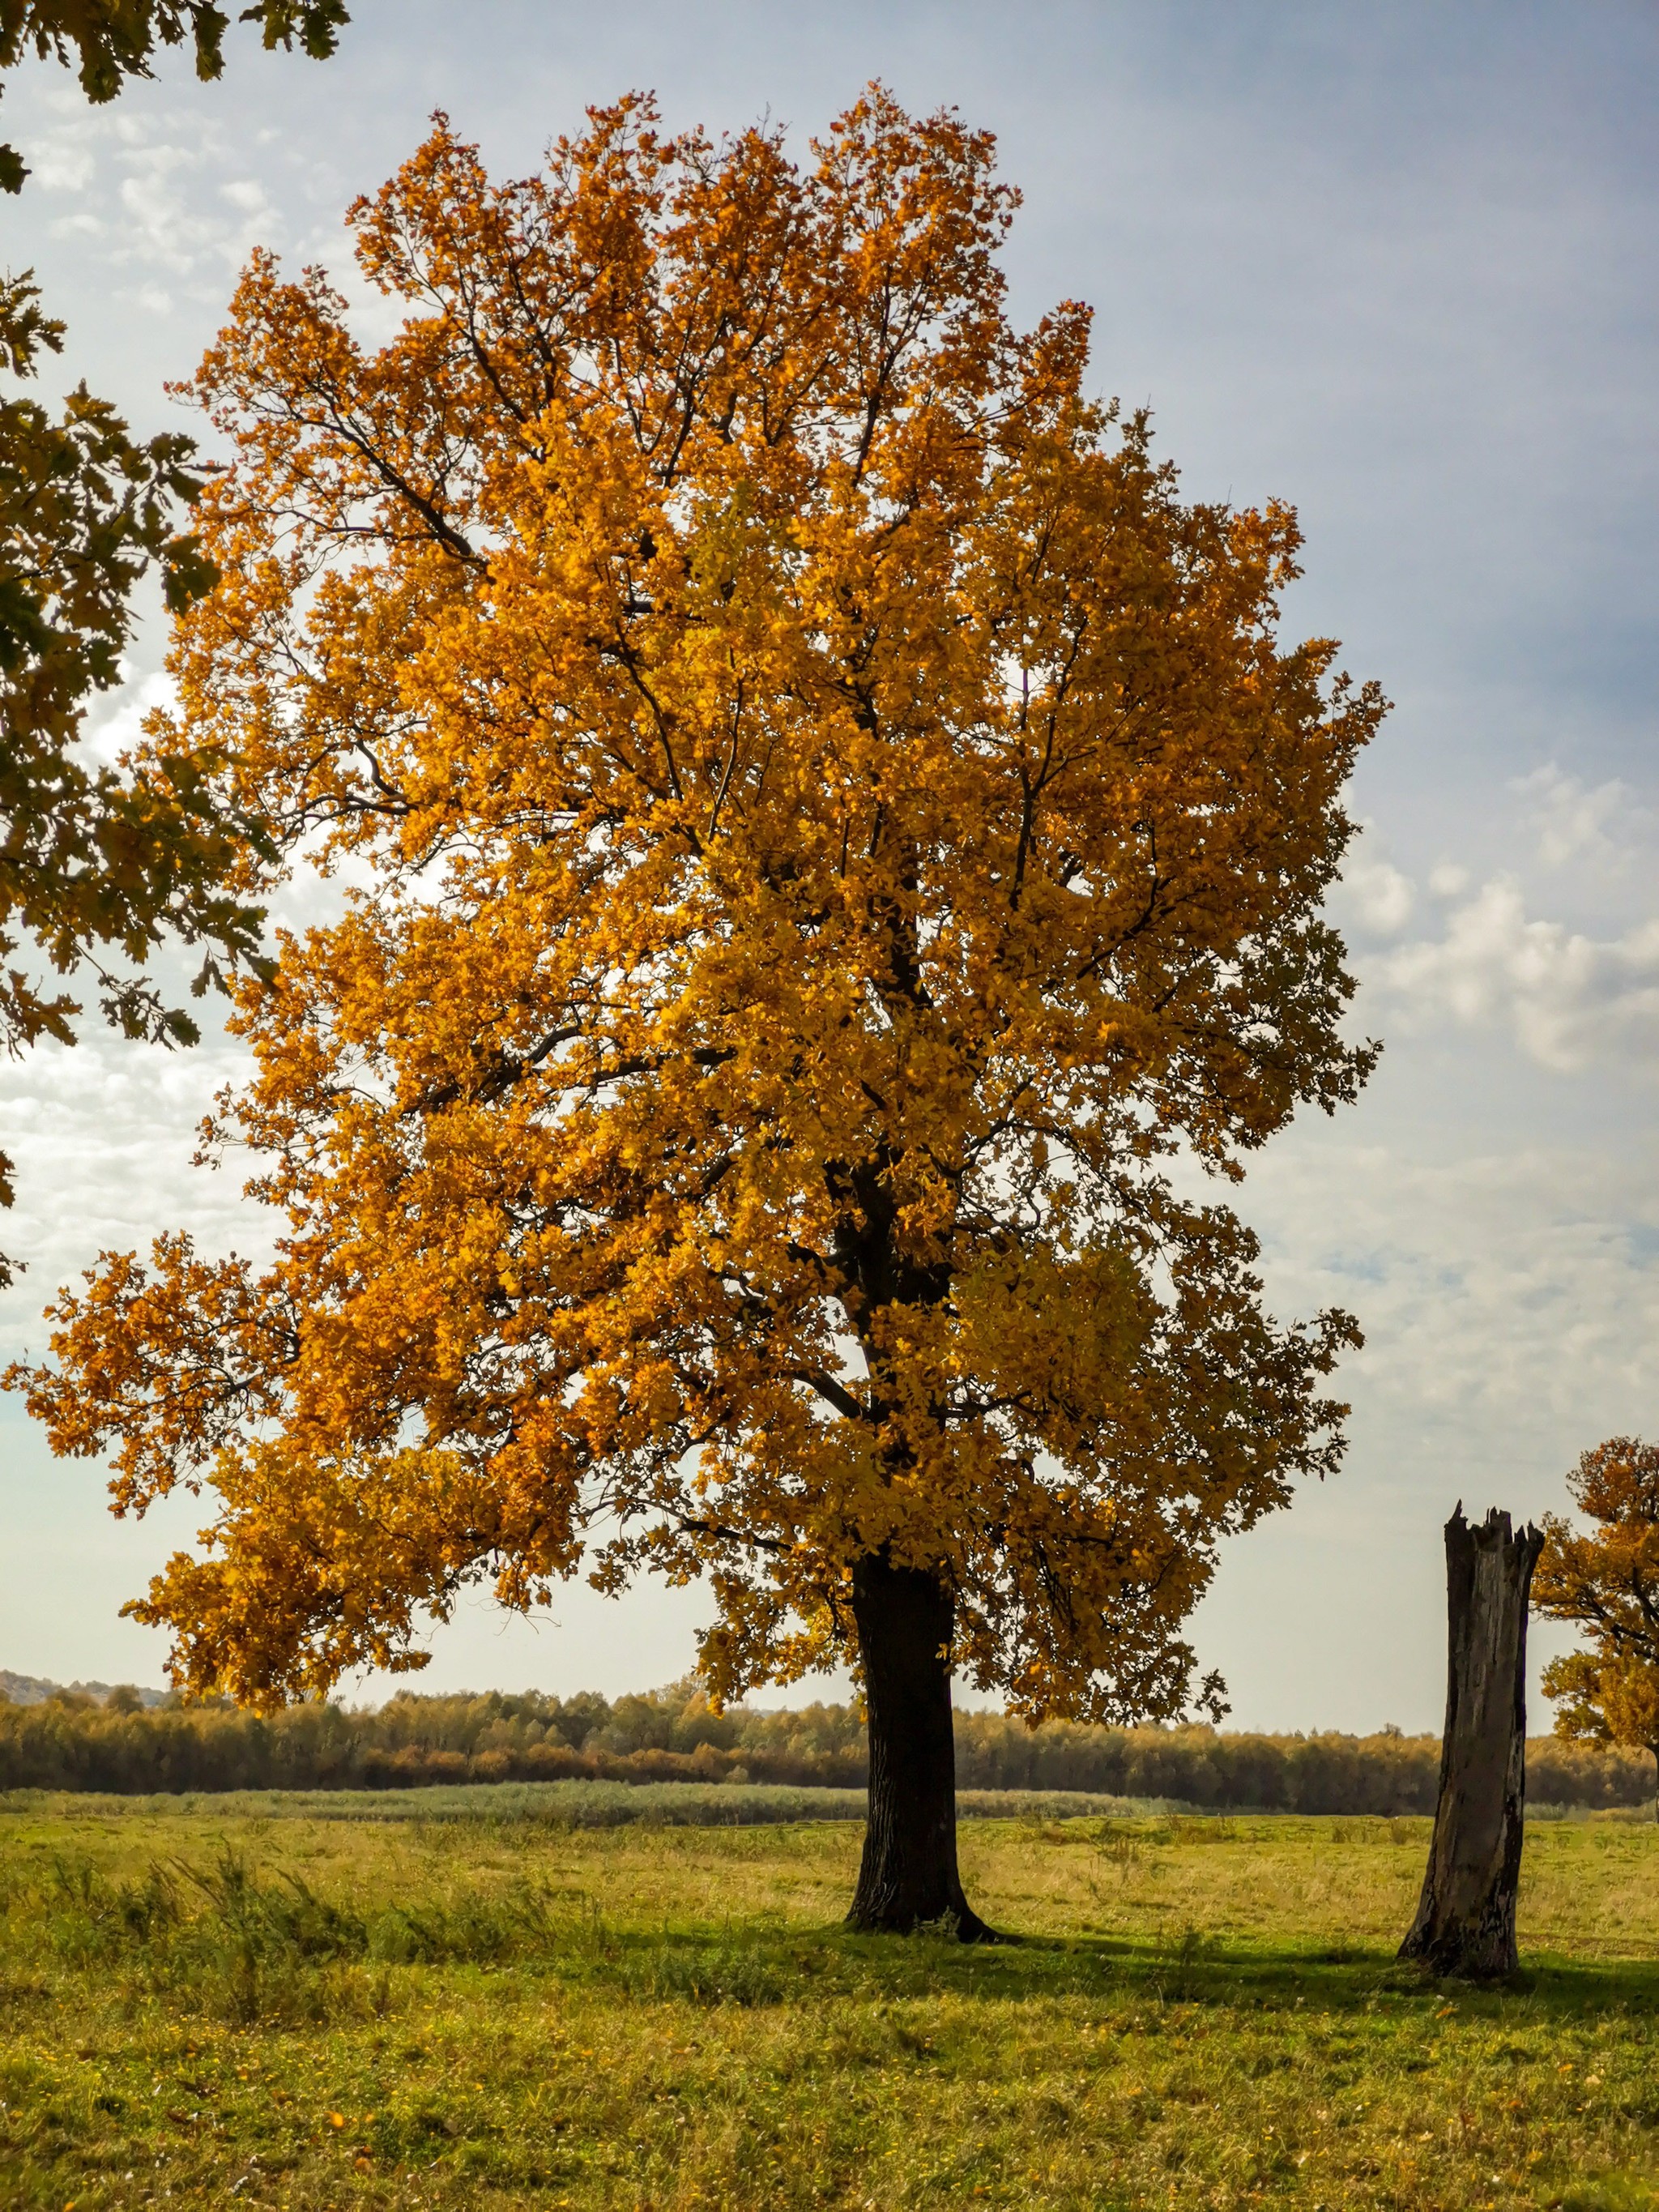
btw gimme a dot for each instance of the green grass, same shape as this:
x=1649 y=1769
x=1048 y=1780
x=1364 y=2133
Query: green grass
x=251 y=2003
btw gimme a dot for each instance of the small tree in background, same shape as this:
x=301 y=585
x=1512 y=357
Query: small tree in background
x=1607 y=1582
x=827 y=824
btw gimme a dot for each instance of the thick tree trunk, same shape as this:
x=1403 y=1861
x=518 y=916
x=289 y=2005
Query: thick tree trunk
x=909 y=1876
x=1465 y=1922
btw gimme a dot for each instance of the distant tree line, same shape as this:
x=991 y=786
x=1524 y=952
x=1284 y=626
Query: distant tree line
x=72 y=1742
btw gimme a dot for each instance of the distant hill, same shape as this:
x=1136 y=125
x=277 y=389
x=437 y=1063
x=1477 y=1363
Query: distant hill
x=33 y=1690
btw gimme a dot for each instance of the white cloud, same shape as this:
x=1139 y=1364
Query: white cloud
x=1572 y=823
x=62 y=165
x=154 y=194
x=1447 y=880
x=102 y=1135
x=1566 y=998
x=1513 y=1288
x=1380 y=896
x=1509 y=1297
x=109 y=734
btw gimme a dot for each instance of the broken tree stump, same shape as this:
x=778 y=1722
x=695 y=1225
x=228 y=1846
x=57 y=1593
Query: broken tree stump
x=1465 y=1922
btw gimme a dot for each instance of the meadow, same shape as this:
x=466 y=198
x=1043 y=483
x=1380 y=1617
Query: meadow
x=257 y=2001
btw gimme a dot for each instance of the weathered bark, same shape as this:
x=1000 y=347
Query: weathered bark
x=907 y=1878
x=1465 y=1922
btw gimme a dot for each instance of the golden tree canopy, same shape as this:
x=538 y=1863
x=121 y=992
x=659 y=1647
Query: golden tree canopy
x=1607 y=1582
x=829 y=841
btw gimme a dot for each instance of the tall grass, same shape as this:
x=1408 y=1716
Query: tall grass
x=227 y=1941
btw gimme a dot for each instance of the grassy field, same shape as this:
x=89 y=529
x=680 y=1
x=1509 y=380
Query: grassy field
x=250 y=2004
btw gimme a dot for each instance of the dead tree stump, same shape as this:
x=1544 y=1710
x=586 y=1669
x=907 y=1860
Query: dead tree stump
x=1465 y=1922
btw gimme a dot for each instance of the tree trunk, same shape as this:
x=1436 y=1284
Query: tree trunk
x=909 y=1876
x=1465 y=1922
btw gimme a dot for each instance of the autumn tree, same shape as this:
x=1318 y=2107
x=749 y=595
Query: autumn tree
x=832 y=849
x=98 y=867
x=1607 y=1582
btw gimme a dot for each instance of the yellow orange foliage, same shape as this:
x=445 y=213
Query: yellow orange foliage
x=1608 y=1583
x=830 y=842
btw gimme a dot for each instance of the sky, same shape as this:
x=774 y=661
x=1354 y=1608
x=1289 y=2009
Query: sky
x=1398 y=266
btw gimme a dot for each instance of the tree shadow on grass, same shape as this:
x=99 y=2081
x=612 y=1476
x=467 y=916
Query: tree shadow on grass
x=1191 y=1969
